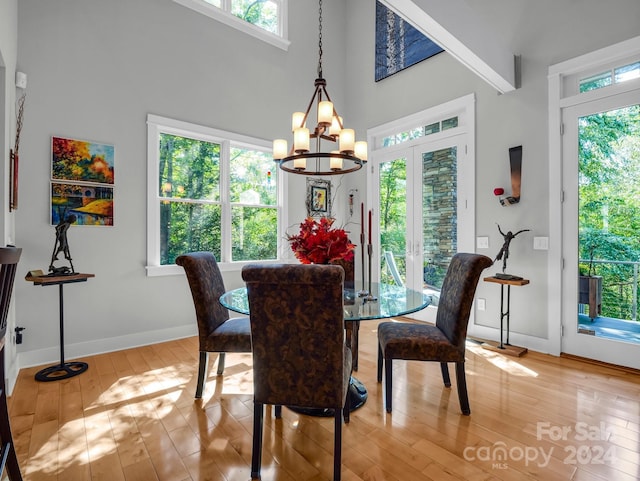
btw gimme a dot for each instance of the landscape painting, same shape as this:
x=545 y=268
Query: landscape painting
x=89 y=204
x=80 y=160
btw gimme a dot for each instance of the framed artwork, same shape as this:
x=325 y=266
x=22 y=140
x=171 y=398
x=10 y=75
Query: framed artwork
x=318 y=198
x=82 y=182
x=398 y=44
x=89 y=204
x=80 y=160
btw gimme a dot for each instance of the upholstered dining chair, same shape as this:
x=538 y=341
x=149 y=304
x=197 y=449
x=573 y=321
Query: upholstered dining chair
x=217 y=332
x=300 y=357
x=9 y=257
x=444 y=342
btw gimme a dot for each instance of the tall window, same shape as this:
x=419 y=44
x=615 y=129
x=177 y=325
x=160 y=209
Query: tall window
x=209 y=190
x=264 y=19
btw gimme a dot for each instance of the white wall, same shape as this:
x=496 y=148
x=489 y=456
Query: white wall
x=97 y=68
x=8 y=55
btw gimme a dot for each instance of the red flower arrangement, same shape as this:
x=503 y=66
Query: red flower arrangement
x=318 y=243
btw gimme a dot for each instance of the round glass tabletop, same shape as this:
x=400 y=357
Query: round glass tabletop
x=385 y=300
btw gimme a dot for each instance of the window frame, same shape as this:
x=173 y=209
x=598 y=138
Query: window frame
x=219 y=13
x=157 y=125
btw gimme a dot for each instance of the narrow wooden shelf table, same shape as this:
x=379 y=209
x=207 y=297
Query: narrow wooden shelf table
x=505 y=347
x=65 y=369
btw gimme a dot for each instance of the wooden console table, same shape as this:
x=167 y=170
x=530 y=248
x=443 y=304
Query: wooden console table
x=64 y=370
x=505 y=347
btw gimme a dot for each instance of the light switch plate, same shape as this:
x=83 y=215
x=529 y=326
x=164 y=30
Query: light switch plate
x=541 y=243
x=482 y=242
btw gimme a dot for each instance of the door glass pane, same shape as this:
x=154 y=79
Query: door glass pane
x=439 y=214
x=393 y=221
x=609 y=223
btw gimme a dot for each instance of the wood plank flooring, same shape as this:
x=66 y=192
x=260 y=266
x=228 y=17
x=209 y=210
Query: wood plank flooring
x=132 y=417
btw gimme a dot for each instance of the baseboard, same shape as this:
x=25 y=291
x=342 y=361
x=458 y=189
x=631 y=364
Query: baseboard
x=595 y=362
x=73 y=351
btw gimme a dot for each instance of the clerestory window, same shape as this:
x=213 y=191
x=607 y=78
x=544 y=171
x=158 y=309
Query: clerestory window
x=263 y=19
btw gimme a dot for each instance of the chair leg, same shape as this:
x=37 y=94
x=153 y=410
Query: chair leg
x=203 y=368
x=463 y=396
x=354 y=344
x=444 y=367
x=380 y=354
x=278 y=411
x=220 y=363
x=256 y=455
x=387 y=383
x=12 y=466
x=337 y=449
x=346 y=409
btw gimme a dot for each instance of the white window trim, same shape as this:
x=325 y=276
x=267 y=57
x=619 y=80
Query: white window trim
x=157 y=125
x=281 y=41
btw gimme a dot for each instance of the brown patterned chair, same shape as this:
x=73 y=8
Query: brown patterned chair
x=300 y=357
x=9 y=257
x=444 y=342
x=216 y=331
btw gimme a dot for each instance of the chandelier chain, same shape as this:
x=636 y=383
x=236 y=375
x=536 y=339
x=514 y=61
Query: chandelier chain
x=319 y=38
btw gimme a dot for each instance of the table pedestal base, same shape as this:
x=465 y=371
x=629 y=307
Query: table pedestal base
x=61 y=371
x=358 y=396
x=507 y=349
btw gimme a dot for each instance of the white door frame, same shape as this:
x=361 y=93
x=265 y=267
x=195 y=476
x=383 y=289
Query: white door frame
x=561 y=96
x=464 y=109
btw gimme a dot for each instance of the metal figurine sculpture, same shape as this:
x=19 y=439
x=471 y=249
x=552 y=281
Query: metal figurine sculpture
x=62 y=246
x=504 y=252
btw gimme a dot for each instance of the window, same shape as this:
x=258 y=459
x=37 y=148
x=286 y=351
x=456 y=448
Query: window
x=263 y=19
x=417 y=132
x=209 y=190
x=609 y=77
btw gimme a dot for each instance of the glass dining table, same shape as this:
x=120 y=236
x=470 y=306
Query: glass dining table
x=380 y=302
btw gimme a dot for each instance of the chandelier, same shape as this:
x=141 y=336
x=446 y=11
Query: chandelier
x=300 y=159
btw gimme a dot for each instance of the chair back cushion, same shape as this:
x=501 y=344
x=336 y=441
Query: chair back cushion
x=207 y=285
x=297 y=331
x=456 y=295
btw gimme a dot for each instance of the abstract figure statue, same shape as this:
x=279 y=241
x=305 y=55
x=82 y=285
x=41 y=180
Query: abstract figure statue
x=62 y=246
x=504 y=250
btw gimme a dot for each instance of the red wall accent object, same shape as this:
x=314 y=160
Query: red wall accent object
x=498 y=191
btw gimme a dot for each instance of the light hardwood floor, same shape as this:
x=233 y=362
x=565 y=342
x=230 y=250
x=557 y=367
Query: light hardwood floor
x=132 y=416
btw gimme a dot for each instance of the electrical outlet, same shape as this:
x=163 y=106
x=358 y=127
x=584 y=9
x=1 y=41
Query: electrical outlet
x=482 y=304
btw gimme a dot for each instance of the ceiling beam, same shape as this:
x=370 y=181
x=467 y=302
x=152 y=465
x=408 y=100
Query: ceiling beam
x=454 y=26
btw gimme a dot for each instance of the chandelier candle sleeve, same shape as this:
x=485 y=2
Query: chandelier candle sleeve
x=361 y=150
x=301 y=140
x=297 y=121
x=370 y=214
x=347 y=139
x=325 y=113
x=336 y=126
x=279 y=148
x=335 y=163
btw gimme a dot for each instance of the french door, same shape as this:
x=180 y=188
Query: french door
x=423 y=214
x=582 y=172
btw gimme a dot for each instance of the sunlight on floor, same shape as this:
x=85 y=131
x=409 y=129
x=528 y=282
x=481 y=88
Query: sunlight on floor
x=503 y=362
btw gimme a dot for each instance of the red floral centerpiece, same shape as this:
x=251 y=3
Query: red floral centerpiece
x=319 y=243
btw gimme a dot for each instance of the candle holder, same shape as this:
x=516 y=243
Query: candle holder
x=370 y=297
x=362 y=292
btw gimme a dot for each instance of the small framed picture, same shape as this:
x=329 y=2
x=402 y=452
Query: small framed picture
x=318 y=198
